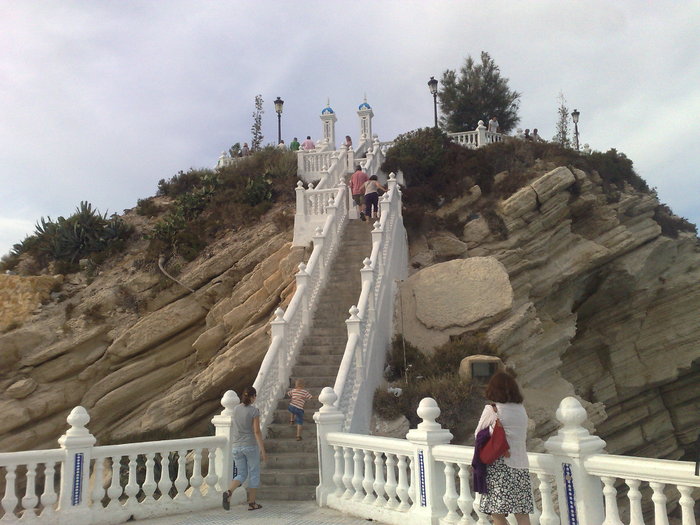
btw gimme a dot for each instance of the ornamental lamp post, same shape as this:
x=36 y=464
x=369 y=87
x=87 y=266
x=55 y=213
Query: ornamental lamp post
x=278 y=109
x=433 y=87
x=574 y=116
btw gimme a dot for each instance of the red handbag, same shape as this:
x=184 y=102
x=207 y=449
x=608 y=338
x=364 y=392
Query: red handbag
x=496 y=446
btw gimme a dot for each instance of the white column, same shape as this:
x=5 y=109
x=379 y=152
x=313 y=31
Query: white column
x=328 y=419
x=428 y=476
x=77 y=445
x=580 y=494
x=224 y=427
x=481 y=134
x=302 y=281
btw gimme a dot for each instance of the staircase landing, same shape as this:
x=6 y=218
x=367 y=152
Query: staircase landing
x=272 y=513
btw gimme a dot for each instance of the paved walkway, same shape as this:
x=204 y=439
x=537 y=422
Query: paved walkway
x=272 y=513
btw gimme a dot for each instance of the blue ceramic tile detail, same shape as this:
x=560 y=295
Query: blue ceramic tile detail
x=570 y=496
x=421 y=474
x=77 y=479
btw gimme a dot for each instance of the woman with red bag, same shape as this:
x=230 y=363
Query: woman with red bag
x=508 y=487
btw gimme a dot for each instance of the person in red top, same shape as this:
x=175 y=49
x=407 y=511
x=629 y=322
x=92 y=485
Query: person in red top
x=308 y=144
x=296 y=405
x=357 y=188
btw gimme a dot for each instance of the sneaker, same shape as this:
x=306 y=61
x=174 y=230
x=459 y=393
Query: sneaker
x=362 y=216
x=226 y=503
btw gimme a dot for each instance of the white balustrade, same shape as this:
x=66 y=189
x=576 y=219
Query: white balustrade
x=110 y=484
x=369 y=326
x=438 y=490
x=476 y=139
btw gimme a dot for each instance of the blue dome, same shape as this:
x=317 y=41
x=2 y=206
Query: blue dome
x=327 y=110
x=364 y=105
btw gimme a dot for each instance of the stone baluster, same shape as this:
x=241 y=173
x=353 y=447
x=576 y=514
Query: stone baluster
x=98 y=490
x=659 y=499
x=197 y=479
x=149 y=483
x=430 y=484
x=390 y=486
x=580 y=494
x=357 y=475
x=403 y=489
x=449 y=498
x=328 y=419
x=338 y=470
x=10 y=500
x=212 y=476
x=224 y=427
x=465 y=501
x=482 y=519
x=30 y=499
x=368 y=479
x=548 y=516
x=132 y=487
x=181 y=479
x=49 y=496
x=379 y=483
x=115 y=488
x=635 y=498
x=612 y=513
x=687 y=505
x=347 y=474
x=77 y=445
x=165 y=483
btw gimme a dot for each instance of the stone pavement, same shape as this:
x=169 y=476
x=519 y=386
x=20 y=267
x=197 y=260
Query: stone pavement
x=272 y=513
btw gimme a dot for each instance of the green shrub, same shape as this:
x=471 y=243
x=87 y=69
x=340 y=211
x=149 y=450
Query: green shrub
x=672 y=225
x=181 y=183
x=147 y=207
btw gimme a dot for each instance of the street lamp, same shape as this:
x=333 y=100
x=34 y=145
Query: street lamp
x=574 y=116
x=432 y=86
x=278 y=109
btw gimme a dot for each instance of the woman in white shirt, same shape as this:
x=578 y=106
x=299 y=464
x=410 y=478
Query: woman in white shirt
x=508 y=478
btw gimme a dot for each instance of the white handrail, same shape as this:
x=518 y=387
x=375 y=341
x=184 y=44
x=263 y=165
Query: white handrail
x=289 y=328
x=370 y=323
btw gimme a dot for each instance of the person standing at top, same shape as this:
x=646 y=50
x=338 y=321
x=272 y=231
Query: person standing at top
x=357 y=189
x=493 y=125
x=308 y=143
x=247 y=448
x=299 y=396
x=372 y=197
x=508 y=487
x=294 y=145
x=245 y=150
x=527 y=134
x=282 y=145
x=536 y=136
x=348 y=142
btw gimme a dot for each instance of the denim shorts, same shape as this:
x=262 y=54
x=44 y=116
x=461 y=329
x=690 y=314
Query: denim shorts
x=247 y=465
x=298 y=414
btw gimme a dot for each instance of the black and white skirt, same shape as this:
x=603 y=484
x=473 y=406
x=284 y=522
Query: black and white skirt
x=509 y=490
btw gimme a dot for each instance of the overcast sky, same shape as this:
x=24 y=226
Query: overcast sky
x=101 y=99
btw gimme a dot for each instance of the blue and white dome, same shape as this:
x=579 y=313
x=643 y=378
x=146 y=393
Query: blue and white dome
x=327 y=110
x=364 y=105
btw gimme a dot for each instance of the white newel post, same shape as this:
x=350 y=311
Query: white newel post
x=428 y=477
x=328 y=419
x=77 y=445
x=302 y=279
x=301 y=201
x=580 y=494
x=480 y=134
x=318 y=239
x=223 y=423
x=377 y=235
x=278 y=329
x=367 y=278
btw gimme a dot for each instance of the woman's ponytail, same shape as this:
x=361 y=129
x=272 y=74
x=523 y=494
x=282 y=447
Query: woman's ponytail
x=249 y=393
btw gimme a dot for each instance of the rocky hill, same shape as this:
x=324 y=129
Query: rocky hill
x=579 y=292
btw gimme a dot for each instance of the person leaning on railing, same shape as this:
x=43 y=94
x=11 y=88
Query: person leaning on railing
x=508 y=488
x=247 y=448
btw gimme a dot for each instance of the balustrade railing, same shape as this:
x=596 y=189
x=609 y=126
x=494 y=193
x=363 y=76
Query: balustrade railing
x=83 y=484
x=289 y=328
x=424 y=480
x=477 y=138
x=370 y=323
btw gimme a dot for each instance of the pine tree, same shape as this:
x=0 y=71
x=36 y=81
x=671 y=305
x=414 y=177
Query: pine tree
x=562 y=135
x=479 y=92
x=256 y=128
